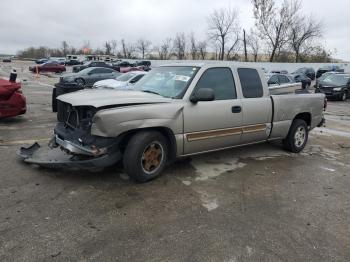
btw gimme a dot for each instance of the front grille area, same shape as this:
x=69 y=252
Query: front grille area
x=75 y=117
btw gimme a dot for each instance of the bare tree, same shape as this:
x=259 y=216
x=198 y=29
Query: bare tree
x=253 y=43
x=222 y=23
x=143 y=46
x=164 y=49
x=274 y=22
x=114 y=44
x=303 y=31
x=234 y=47
x=124 y=48
x=202 y=49
x=193 y=46
x=65 y=48
x=179 y=46
x=108 y=48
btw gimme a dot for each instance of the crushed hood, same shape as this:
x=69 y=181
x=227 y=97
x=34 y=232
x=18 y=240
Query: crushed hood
x=106 y=97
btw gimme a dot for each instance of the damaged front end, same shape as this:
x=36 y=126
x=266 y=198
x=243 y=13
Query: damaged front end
x=72 y=144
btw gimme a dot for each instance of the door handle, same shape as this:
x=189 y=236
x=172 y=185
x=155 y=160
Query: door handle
x=236 y=109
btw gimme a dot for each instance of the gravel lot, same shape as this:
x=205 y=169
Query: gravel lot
x=256 y=203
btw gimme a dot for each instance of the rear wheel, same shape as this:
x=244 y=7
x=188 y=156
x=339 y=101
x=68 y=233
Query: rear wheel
x=297 y=136
x=145 y=156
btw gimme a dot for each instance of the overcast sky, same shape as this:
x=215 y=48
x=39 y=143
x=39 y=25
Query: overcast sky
x=25 y=23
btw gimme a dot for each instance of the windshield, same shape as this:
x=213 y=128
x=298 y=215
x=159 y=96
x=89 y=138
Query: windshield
x=168 y=81
x=337 y=79
x=125 y=77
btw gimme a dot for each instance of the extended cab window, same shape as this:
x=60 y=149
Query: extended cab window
x=250 y=82
x=221 y=81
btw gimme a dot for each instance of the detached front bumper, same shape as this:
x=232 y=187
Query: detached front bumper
x=65 y=154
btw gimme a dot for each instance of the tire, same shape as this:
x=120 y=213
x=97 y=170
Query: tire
x=343 y=97
x=54 y=100
x=145 y=156
x=297 y=136
x=80 y=82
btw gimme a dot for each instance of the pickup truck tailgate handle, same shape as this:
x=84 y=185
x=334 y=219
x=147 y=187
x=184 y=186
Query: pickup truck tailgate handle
x=236 y=109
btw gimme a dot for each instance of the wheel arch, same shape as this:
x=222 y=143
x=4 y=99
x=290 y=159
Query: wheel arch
x=306 y=116
x=165 y=131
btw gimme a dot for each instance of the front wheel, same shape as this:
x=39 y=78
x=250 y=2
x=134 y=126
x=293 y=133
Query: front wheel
x=297 y=136
x=145 y=156
x=343 y=97
x=80 y=82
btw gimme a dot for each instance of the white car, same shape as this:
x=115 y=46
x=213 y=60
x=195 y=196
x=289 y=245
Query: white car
x=123 y=81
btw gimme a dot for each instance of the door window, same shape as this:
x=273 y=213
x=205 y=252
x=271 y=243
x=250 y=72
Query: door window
x=250 y=82
x=283 y=79
x=220 y=80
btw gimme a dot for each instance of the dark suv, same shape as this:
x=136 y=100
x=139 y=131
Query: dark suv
x=332 y=68
x=335 y=86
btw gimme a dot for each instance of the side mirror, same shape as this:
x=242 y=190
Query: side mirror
x=203 y=94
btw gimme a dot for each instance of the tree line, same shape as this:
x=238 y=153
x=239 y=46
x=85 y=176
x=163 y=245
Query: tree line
x=281 y=33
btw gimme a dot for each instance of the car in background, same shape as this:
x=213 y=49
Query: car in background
x=145 y=64
x=78 y=68
x=73 y=62
x=335 y=86
x=88 y=76
x=6 y=60
x=131 y=69
x=284 y=72
x=50 y=66
x=331 y=68
x=83 y=79
x=122 y=81
x=12 y=101
x=322 y=77
x=41 y=61
x=308 y=71
x=282 y=79
x=279 y=79
x=119 y=66
x=60 y=60
x=303 y=79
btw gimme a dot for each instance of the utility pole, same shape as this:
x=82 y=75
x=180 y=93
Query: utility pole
x=245 y=47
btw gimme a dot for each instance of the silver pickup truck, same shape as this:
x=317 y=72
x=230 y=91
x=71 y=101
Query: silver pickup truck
x=175 y=111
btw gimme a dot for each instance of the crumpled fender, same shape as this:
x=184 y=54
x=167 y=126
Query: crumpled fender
x=115 y=121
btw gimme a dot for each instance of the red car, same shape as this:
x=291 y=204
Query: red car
x=129 y=69
x=50 y=66
x=12 y=101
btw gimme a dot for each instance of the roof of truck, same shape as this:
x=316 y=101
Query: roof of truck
x=211 y=63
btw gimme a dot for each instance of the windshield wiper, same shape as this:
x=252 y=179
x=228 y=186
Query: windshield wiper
x=151 y=92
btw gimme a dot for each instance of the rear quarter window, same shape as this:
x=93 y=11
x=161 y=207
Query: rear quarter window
x=250 y=82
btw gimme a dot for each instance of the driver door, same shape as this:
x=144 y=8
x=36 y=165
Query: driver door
x=214 y=124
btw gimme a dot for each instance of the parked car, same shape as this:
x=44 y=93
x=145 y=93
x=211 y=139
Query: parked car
x=73 y=62
x=83 y=79
x=335 y=86
x=122 y=64
x=282 y=84
x=41 y=61
x=330 y=68
x=51 y=66
x=145 y=64
x=60 y=60
x=176 y=111
x=131 y=69
x=322 y=77
x=308 y=71
x=12 y=101
x=122 y=81
x=78 y=68
x=6 y=60
x=303 y=79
